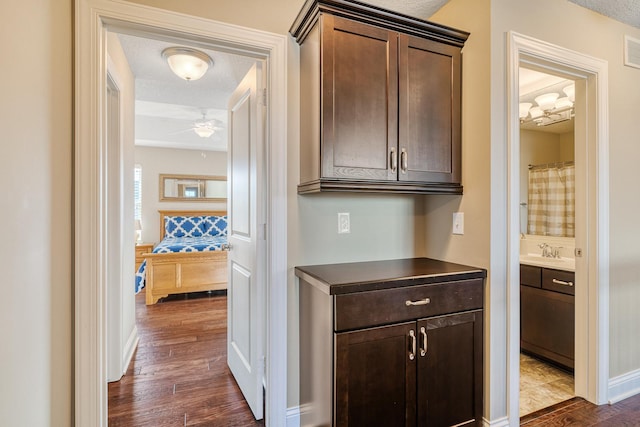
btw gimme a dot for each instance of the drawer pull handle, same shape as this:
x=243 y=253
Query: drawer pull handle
x=419 y=302
x=423 y=348
x=412 y=352
x=562 y=282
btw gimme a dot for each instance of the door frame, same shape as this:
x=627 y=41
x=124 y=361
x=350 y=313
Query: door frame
x=592 y=306
x=92 y=19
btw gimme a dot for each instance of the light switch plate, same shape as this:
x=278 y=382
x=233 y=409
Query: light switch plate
x=458 y=223
x=344 y=223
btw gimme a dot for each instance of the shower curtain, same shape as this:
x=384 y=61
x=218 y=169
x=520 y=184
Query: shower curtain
x=551 y=204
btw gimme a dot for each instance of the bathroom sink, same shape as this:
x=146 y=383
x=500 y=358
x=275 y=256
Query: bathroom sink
x=567 y=264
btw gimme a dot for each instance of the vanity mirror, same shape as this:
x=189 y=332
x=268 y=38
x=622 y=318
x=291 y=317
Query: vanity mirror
x=193 y=188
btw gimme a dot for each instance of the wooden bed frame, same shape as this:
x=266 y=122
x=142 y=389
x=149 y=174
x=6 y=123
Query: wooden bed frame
x=182 y=272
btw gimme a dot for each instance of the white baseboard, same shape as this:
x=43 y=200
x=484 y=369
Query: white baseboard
x=130 y=348
x=623 y=386
x=500 y=422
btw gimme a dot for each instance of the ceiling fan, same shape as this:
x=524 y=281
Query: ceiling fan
x=205 y=128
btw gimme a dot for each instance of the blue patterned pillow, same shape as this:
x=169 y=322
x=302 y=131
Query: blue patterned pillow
x=184 y=226
x=216 y=226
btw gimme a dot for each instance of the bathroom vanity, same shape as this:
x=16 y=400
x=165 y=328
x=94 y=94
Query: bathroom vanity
x=547 y=313
x=397 y=342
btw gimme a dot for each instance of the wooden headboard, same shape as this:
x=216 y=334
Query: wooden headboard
x=185 y=213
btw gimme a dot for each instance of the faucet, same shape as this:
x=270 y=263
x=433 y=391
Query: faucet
x=550 y=251
x=546 y=252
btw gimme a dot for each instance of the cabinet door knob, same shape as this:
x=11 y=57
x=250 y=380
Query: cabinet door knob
x=423 y=346
x=418 y=302
x=412 y=347
x=393 y=160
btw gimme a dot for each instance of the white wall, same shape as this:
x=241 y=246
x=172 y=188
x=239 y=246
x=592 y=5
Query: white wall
x=36 y=213
x=156 y=161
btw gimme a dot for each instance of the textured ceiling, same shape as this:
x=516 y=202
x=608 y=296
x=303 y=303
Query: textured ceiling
x=422 y=9
x=167 y=107
x=626 y=11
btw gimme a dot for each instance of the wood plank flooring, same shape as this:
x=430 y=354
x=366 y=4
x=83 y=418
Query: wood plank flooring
x=179 y=374
x=179 y=377
x=577 y=412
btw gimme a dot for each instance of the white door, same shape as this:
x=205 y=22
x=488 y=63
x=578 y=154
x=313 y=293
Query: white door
x=246 y=287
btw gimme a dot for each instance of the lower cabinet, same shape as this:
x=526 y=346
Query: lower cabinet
x=547 y=314
x=425 y=373
x=408 y=355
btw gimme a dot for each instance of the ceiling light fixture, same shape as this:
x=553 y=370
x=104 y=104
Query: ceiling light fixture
x=550 y=109
x=187 y=63
x=203 y=130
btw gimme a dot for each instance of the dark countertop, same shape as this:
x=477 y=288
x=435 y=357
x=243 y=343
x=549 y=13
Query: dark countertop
x=335 y=279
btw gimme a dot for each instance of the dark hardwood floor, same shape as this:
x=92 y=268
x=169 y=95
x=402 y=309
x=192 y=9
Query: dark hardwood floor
x=577 y=412
x=179 y=374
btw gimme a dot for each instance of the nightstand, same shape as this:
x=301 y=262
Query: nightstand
x=142 y=248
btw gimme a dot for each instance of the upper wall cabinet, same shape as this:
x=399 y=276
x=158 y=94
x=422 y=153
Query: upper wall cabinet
x=380 y=100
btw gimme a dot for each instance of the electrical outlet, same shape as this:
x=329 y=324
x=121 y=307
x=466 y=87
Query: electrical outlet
x=458 y=223
x=344 y=224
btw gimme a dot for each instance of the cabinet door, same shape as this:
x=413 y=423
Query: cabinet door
x=375 y=376
x=547 y=324
x=359 y=100
x=450 y=371
x=429 y=111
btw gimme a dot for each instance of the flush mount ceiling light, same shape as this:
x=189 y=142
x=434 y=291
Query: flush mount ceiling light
x=187 y=63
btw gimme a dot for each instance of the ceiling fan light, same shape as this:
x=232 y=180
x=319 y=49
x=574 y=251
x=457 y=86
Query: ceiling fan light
x=547 y=101
x=203 y=131
x=188 y=64
x=524 y=109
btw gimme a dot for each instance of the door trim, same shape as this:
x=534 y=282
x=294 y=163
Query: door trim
x=92 y=17
x=592 y=309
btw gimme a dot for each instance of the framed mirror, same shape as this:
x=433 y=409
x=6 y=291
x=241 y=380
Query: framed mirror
x=193 y=188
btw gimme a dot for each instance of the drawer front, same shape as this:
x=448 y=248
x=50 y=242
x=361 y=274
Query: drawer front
x=559 y=281
x=373 y=308
x=530 y=275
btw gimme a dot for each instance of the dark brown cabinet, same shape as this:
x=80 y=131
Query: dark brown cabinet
x=380 y=101
x=402 y=349
x=547 y=314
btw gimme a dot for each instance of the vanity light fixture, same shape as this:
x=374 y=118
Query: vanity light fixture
x=187 y=63
x=550 y=109
x=524 y=109
x=570 y=91
x=547 y=101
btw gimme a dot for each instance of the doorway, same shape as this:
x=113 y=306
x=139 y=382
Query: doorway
x=181 y=134
x=547 y=242
x=591 y=222
x=93 y=17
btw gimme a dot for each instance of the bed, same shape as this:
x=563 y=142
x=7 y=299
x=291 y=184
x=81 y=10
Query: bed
x=190 y=257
